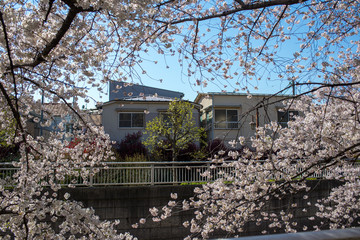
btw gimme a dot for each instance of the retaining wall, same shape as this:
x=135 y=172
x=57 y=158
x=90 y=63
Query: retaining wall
x=129 y=204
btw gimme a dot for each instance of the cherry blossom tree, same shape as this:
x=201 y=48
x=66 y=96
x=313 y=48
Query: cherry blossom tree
x=237 y=43
x=60 y=48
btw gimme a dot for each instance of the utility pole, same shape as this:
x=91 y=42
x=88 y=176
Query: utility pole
x=257 y=121
x=293 y=87
x=42 y=113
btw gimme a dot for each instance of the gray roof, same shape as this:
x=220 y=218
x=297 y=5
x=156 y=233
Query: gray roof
x=123 y=90
x=240 y=94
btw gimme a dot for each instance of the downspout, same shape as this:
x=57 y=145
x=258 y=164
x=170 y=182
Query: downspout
x=212 y=118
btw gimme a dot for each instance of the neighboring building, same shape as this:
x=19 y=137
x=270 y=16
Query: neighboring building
x=123 y=90
x=93 y=116
x=54 y=112
x=227 y=116
x=130 y=107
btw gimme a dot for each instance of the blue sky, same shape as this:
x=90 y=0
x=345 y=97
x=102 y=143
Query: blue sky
x=167 y=74
x=173 y=79
x=173 y=76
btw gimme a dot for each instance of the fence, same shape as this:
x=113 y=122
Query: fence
x=139 y=173
x=147 y=173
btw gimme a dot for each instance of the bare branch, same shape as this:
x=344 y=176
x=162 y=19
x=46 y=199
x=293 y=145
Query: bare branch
x=253 y=6
x=49 y=10
x=273 y=29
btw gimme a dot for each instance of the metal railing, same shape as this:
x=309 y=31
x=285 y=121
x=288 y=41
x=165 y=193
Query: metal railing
x=139 y=173
x=148 y=173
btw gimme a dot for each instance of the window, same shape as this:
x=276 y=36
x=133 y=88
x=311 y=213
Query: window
x=226 y=118
x=69 y=127
x=166 y=118
x=285 y=116
x=131 y=120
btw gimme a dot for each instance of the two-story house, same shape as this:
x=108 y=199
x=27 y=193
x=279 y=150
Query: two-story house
x=131 y=106
x=227 y=116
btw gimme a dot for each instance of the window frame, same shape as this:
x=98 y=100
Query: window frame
x=132 y=120
x=228 y=124
x=162 y=116
x=286 y=113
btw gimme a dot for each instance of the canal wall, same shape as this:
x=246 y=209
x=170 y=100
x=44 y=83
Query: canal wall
x=129 y=204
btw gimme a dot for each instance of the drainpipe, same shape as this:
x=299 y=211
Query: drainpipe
x=212 y=118
x=257 y=122
x=42 y=113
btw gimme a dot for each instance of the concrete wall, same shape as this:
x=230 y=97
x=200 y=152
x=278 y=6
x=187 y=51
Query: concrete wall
x=129 y=204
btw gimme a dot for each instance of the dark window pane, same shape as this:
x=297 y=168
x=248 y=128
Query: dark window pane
x=232 y=125
x=125 y=120
x=166 y=119
x=292 y=115
x=137 y=120
x=232 y=116
x=220 y=125
x=220 y=115
x=283 y=116
x=286 y=116
x=125 y=116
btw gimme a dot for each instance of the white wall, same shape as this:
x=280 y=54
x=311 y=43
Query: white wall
x=111 y=110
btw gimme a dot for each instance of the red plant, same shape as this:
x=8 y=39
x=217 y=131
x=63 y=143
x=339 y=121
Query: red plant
x=130 y=145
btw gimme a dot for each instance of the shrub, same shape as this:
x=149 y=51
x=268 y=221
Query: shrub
x=9 y=153
x=136 y=157
x=192 y=153
x=215 y=146
x=131 y=145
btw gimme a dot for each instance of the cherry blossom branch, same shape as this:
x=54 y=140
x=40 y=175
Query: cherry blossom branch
x=273 y=29
x=14 y=109
x=51 y=2
x=59 y=96
x=254 y=6
x=72 y=13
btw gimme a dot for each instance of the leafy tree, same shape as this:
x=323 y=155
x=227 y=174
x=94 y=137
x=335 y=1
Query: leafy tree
x=174 y=130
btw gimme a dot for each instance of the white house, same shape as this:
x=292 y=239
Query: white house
x=226 y=116
x=130 y=107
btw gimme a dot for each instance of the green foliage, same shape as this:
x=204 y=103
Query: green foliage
x=8 y=129
x=192 y=183
x=137 y=157
x=126 y=173
x=8 y=151
x=173 y=131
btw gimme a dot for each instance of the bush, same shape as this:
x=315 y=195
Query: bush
x=9 y=153
x=190 y=153
x=137 y=157
x=130 y=146
x=215 y=146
